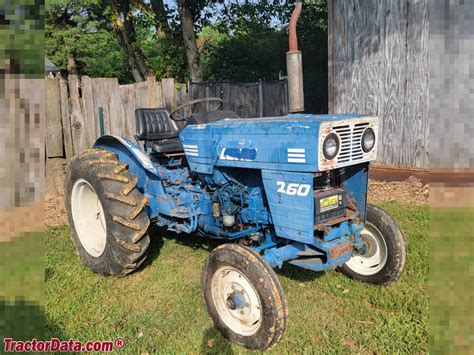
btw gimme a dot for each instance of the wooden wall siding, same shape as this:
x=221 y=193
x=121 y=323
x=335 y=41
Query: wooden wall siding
x=72 y=107
x=378 y=65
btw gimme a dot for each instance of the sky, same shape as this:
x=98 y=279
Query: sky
x=275 y=22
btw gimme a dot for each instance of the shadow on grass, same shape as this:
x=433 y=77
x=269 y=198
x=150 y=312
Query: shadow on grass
x=297 y=273
x=53 y=330
x=48 y=273
x=156 y=243
x=214 y=343
x=192 y=241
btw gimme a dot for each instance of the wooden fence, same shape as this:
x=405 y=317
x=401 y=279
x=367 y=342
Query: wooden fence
x=378 y=65
x=72 y=106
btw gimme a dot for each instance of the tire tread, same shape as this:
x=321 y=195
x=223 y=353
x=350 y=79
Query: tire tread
x=127 y=237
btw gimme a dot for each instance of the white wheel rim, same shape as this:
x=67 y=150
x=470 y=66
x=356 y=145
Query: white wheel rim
x=88 y=217
x=229 y=283
x=375 y=258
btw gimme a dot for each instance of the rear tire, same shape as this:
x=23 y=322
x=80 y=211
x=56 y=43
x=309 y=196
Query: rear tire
x=106 y=213
x=385 y=259
x=244 y=297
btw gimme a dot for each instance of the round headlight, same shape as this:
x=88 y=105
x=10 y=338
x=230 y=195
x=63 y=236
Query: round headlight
x=368 y=140
x=331 y=146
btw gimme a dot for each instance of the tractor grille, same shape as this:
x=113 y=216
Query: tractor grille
x=350 y=133
x=350 y=139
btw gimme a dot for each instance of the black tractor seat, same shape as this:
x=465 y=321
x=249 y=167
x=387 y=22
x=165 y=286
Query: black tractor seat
x=158 y=130
x=165 y=146
x=161 y=133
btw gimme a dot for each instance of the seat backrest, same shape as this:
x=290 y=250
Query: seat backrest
x=154 y=124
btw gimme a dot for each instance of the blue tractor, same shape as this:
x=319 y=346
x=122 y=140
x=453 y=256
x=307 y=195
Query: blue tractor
x=281 y=189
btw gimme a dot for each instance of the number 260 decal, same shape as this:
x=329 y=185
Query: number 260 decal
x=293 y=189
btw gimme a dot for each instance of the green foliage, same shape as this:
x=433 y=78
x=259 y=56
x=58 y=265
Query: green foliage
x=313 y=37
x=98 y=54
x=82 y=29
x=165 y=55
x=21 y=36
x=246 y=56
x=238 y=41
x=250 y=43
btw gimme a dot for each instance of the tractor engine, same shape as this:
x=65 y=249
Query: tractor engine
x=233 y=206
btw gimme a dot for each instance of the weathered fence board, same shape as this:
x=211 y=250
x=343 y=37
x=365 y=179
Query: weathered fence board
x=159 y=95
x=88 y=106
x=100 y=87
x=378 y=53
x=169 y=93
x=66 y=122
x=273 y=98
x=117 y=119
x=54 y=134
x=80 y=136
x=127 y=93
x=152 y=98
x=76 y=111
x=246 y=99
x=141 y=94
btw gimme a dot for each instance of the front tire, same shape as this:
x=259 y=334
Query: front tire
x=106 y=213
x=385 y=259
x=244 y=297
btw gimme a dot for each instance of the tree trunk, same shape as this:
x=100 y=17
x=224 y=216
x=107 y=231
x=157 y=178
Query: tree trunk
x=161 y=19
x=189 y=38
x=71 y=65
x=126 y=34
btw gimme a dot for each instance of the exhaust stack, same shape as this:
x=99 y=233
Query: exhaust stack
x=294 y=65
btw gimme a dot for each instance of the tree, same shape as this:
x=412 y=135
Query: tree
x=238 y=40
x=248 y=41
x=189 y=39
x=248 y=56
x=122 y=14
x=160 y=17
x=82 y=31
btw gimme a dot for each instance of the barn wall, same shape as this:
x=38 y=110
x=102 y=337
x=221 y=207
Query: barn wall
x=378 y=65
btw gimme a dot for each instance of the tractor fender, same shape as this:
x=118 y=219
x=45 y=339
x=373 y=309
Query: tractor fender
x=149 y=174
x=121 y=145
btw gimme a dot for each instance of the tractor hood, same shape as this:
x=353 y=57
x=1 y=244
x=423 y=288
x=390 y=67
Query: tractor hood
x=289 y=143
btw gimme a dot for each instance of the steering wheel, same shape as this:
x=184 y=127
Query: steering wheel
x=174 y=115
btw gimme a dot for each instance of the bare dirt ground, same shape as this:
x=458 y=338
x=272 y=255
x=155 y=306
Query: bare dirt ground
x=55 y=213
x=410 y=191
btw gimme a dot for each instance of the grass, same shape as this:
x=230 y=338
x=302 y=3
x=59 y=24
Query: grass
x=452 y=275
x=22 y=287
x=160 y=308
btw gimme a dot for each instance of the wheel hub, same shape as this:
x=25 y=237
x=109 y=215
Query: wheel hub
x=88 y=216
x=370 y=245
x=236 y=301
x=374 y=258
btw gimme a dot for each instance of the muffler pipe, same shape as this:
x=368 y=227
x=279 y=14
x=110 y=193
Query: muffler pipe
x=294 y=65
